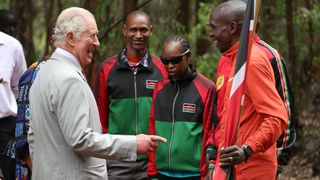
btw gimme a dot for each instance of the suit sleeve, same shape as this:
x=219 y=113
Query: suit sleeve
x=102 y=97
x=73 y=104
x=267 y=103
x=30 y=139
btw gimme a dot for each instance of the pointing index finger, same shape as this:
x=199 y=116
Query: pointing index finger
x=158 y=138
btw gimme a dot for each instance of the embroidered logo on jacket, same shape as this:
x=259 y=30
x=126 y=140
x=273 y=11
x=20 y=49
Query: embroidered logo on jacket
x=220 y=82
x=189 y=108
x=151 y=84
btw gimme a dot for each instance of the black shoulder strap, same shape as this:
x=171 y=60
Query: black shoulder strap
x=215 y=119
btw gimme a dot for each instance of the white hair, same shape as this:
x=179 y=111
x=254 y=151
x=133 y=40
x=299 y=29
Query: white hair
x=70 y=20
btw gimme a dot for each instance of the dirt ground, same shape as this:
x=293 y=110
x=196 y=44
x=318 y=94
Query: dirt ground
x=299 y=169
x=306 y=162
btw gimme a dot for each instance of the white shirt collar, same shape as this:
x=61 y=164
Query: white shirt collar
x=70 y=56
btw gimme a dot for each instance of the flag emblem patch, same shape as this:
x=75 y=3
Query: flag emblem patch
x=151 y=84
x=189 y=108
x=220 y=82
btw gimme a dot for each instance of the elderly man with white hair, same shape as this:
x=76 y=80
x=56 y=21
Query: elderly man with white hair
x=65 y=134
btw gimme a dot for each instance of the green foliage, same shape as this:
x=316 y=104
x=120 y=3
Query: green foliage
x=207 y=65
x=4 y=4
x=39 y=28
x=302 y=20
x=208 y=62
x=203 y=18
x=107 y=16
x=164 y=23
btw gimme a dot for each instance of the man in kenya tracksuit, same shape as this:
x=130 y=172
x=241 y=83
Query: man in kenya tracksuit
x=125 y=87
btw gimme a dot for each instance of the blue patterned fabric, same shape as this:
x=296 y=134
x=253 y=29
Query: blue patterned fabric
x=18 y=147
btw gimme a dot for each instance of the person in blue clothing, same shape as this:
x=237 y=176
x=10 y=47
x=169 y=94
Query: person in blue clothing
x=18 y=148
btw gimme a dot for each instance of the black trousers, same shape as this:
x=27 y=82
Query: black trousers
x=120 y=170
x=7 y=131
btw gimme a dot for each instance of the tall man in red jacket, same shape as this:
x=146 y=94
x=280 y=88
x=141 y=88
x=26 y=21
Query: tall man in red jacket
x=264 y=116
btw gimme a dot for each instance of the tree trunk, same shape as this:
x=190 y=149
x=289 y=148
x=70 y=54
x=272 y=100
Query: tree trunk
x=270 y=19
x=202 y=45
x=128 y=6
x=91 y=69
x=307 y=69
x=183 y=14
x=24 y=13
x=60 y=6
x=49 y=6
x=308 y=61
x=89 y=5
x=291 y=46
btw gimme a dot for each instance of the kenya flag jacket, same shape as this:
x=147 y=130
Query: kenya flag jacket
x=124 y=94
x=182 y=113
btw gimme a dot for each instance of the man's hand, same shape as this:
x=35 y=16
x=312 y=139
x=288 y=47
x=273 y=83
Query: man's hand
x=148 y=143
x=231 y=155
x=209 y=174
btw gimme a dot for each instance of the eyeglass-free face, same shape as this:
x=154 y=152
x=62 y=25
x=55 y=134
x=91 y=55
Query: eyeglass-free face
x=137 y=30
x=173 y=60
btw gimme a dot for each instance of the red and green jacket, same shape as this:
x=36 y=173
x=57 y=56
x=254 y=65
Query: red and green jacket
x=124 y=95
x=182 y=112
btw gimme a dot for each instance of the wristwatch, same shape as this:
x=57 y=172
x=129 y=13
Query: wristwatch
x=247 y=151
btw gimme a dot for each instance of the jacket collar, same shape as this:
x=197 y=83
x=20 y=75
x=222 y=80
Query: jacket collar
x=186 y=79
x=144 y=63
x=232 y=50
x=67 y=56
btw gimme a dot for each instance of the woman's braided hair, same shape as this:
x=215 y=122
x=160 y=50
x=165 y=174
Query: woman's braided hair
x=185 y=44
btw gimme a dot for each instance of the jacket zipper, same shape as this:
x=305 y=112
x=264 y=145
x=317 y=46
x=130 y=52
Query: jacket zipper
x=173 y=121
x=136 y=102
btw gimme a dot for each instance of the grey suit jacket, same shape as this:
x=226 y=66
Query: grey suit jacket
x=65 y=135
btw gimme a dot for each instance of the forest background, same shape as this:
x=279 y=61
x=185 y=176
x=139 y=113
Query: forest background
x=291 y=26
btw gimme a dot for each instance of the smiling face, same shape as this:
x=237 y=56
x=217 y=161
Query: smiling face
x=220 y=32
x=225 y=23
x=137 y=30
x=87 y=42
x=172 y=50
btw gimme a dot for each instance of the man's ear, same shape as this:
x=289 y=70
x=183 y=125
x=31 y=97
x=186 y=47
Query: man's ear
x=234 y=27
x=124 y=30
x=70 y=38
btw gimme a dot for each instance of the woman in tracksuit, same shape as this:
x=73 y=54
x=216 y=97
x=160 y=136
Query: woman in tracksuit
x=182 y=111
